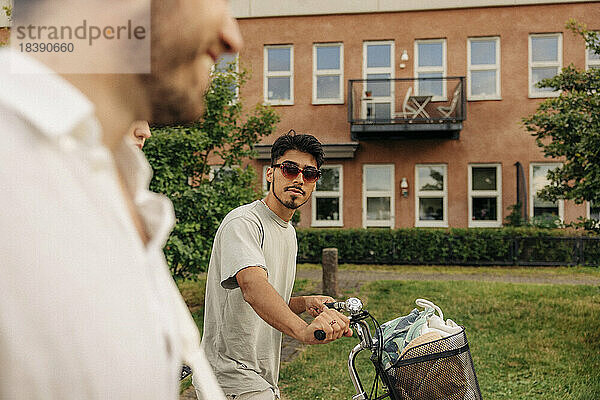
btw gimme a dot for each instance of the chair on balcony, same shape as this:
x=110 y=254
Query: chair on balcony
x=447 y=111
x=408 y=112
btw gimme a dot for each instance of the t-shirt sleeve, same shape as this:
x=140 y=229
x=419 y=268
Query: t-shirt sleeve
x=240 y=247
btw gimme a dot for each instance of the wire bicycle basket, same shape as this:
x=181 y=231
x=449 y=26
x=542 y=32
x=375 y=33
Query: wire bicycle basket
x=440 y=369
x=435 y=364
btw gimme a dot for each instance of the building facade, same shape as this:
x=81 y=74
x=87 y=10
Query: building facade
x=420 y=106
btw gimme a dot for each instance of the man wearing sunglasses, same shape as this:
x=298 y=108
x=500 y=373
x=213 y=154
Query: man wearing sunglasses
x=251 y=274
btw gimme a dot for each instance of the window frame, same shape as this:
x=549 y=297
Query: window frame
x=213 y=169
x=444 y=68
x=329 y=194
x=328 y=72
x=378 y=193
x=277 y=74
x=590 y=63
x=379 y=70
x=484 y=67
x=431 y=194
x=588 y=212
x=486 y=193
x=561 y=203
x=540 y=64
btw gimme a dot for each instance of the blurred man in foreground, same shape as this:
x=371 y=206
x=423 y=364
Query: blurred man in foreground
x=88 y=309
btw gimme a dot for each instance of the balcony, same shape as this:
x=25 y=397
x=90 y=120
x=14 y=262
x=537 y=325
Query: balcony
x=406 y=108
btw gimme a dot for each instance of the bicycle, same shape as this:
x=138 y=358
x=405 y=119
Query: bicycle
x=439 y=369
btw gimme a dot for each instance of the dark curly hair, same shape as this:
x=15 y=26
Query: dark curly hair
x=297 y=141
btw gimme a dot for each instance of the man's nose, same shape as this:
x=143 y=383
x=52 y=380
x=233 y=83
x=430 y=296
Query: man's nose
x=299 y=179
x=230 y=38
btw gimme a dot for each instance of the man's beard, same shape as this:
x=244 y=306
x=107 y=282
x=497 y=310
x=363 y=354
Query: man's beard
x=172 y=102
x=287 y=204
x=169 y=106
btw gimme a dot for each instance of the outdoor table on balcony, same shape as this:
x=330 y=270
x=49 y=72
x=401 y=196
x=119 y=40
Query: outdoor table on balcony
x=420 y=102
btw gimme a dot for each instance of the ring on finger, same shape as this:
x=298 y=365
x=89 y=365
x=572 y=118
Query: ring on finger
x=333 y=322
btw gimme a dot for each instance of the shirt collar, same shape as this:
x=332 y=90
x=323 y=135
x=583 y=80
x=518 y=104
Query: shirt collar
x=40 y=96
x=270 y=213
x=155 y=209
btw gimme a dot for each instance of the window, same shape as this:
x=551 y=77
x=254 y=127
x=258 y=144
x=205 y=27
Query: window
x=593 y=211
x=225 y=61
x=485 y=198
x=538 y=179
x=327 y=198
x=378 y=63
x=431 y=195
x=483 y=56
x=545 y=61
x=430 y=62
x=228 y=61
x=220 y=172
x=328 y=73
x=279 y=75
x=378 y=195
x=592 y=60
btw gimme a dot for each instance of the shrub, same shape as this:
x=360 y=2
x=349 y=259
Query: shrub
x=502 y=246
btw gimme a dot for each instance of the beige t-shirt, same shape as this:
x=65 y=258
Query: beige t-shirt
x=242 y=348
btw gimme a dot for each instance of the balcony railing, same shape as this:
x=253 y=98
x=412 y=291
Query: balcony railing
x=406 y=107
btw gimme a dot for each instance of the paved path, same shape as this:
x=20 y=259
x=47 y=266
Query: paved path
x=347 y=279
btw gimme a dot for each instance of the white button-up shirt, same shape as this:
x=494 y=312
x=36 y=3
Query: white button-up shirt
x=87 y=311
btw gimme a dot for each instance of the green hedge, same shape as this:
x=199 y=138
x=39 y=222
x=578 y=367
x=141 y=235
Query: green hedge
x=502 y=246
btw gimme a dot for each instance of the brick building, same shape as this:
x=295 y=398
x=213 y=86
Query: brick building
x=419 y=104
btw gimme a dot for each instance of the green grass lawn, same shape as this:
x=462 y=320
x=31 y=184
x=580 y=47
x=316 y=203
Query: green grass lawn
x=527 y=341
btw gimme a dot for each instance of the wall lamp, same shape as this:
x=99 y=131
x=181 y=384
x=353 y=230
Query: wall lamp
x=403 y=57
x=404 y=187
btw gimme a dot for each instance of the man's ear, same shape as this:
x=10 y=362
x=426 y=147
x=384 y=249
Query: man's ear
x=269 y=174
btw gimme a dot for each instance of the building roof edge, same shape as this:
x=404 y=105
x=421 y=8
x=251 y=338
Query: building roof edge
x=249 y=9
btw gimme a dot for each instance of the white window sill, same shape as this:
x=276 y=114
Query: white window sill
x=378 y=224
x=431 y=224
x=491 y=98
x=278 y=103
x=325 y=224
x=485 y=224
x=327 y=102
x=436 y=99
x=543 y=95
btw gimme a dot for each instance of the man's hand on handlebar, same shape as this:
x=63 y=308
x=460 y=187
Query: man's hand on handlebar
x=315 y=305
x=333 y=323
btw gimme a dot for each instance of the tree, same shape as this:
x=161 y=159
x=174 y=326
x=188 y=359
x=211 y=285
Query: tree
x=568 y=127
x=202 y=194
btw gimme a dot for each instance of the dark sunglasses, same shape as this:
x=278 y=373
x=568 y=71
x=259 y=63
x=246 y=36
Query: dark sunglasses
x=291 y=171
